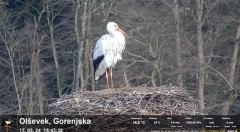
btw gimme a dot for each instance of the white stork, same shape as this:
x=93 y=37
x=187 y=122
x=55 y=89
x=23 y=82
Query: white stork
x=8 y=122
x=108 y=51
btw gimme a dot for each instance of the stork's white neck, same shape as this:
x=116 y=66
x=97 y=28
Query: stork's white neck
x=118 y=35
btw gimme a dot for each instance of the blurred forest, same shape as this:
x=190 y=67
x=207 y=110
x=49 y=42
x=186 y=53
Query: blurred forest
x=46 y=48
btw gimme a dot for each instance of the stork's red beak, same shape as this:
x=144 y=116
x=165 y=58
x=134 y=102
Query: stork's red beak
x=120 y=30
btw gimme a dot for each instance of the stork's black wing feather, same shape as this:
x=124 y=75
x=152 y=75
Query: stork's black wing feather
x=97 y=61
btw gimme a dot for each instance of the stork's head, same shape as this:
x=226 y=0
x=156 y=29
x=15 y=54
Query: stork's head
x=113 y=28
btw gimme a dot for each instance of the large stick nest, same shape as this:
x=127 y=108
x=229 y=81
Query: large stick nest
x=164 y=100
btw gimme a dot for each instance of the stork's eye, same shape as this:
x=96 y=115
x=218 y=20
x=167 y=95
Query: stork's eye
x=115 y=26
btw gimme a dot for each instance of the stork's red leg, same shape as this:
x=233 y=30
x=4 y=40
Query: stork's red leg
x=107 y=78
x=110 y=79
x=111 y=75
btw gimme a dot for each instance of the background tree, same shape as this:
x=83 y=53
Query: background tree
x=232 y=69
x=201 y=60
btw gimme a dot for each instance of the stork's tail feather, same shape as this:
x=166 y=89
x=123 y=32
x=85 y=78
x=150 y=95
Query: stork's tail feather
x=96 y=78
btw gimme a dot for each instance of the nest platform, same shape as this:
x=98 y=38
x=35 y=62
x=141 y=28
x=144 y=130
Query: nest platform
x=164 y=100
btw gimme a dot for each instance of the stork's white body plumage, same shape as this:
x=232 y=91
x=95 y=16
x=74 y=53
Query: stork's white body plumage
x=108 y=51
